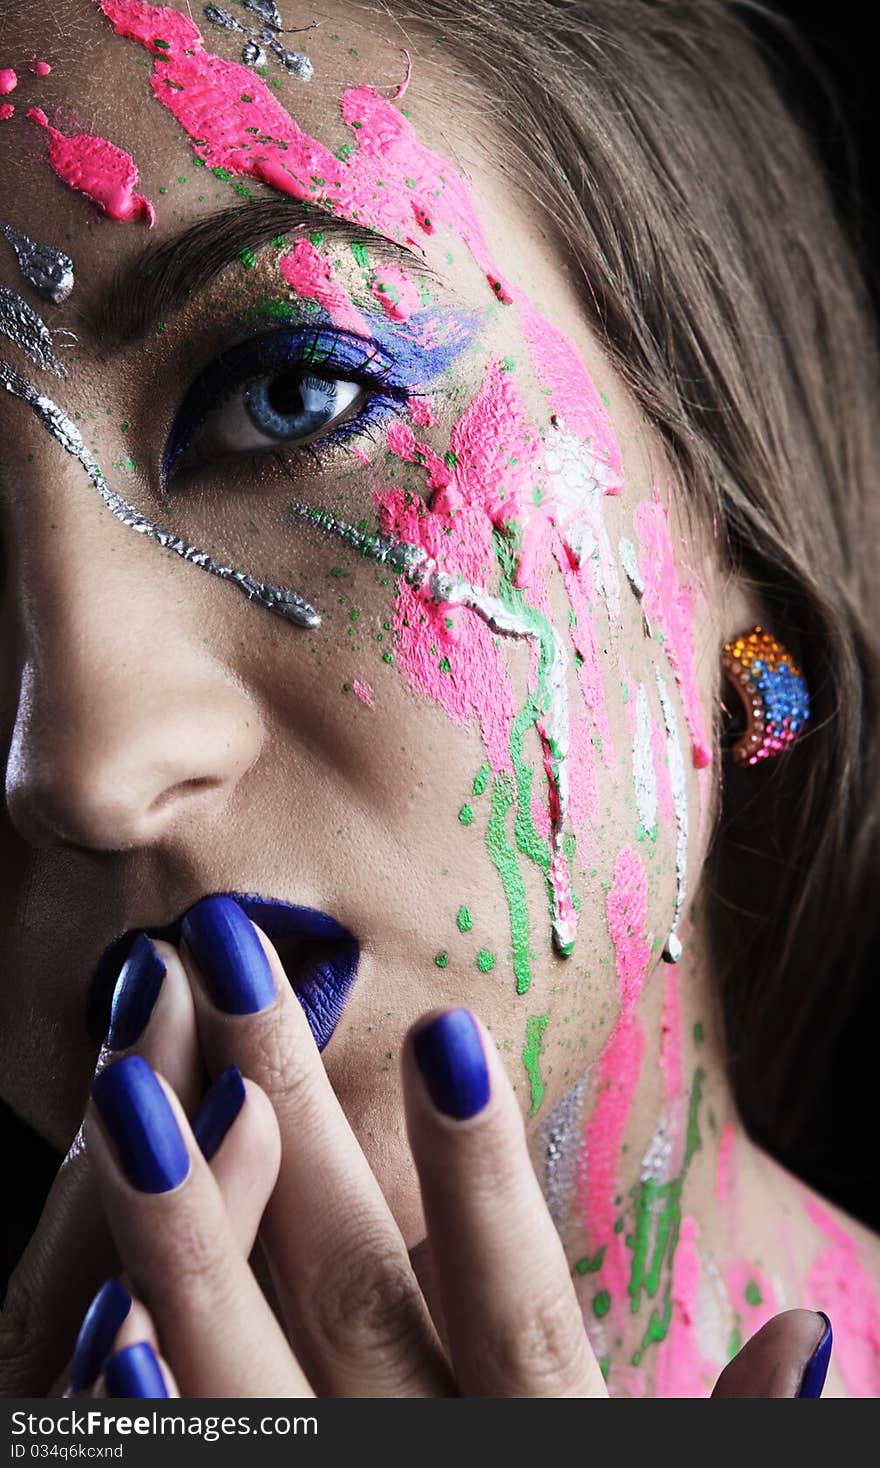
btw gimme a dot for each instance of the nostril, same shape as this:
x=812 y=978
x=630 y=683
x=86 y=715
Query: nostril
x=173 y=793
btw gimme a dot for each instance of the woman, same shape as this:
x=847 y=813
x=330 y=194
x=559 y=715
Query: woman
x=512 y=367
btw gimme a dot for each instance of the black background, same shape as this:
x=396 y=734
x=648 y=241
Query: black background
x=834 y=93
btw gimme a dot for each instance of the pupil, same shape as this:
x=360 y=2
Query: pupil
x=284 y=395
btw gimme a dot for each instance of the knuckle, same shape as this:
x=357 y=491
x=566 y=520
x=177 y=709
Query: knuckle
x=185 y=1264
x=369 y=1299
x=541 y=1352
x=24 y=1337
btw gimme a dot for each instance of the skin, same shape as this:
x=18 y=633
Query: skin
x=137 y=783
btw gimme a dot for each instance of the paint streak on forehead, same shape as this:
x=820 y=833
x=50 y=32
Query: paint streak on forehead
x=390 y=181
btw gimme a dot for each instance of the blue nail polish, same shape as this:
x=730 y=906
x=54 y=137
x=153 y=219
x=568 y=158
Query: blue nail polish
x=449 y=1054
x=97 y=1333
x=220 y=1106
x=137 y=990
x=135 y=1111
x=817 y=1366
x=226 y=948
x=135 y=1372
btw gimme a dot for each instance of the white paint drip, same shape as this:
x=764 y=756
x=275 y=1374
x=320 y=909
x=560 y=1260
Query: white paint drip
x=644 y=777
x=678 y=782
x=580 y=483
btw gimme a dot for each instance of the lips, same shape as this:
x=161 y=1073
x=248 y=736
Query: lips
x=320 y=959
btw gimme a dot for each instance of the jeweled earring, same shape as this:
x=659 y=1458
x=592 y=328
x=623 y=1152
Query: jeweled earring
x=773 y=691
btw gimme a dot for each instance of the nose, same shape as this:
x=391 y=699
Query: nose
x=129 y=721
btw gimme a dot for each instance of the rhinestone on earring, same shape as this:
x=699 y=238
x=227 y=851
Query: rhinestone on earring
x=773 y=691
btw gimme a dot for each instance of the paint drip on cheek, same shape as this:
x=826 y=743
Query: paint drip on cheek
x=92 y=166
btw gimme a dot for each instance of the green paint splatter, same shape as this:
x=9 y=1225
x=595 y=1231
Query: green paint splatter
x=753 y=1293
x=504 y=858
x=533 y=1049
x=601 y=1304
x=248 y=259
x=466 y=815
x=481 y=779
x=590 y=1265
x=359 y=251
x=465 y=920
x=485 y=961
x=655 y=1236
x=698 y=1032
x=441 y=959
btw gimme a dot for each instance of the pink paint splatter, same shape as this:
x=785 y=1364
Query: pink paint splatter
x=725 y=1153
x=396 y=293
x=392 y=182
x=751 y=1295
x=98 y=169
x=40 y=68
x=620 y=1066
x=670 y=605
x=8 y=81
x=363 y=691
x=420 y=411
x=6 y=111
x=313 y=278
x=576 y=399
x=839 y=1284
x=670 y=1036
x=626 y=908
x=682 y=1369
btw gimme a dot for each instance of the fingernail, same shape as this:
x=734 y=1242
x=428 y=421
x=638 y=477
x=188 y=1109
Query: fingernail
x=449 y=1054
x=135 y=1111
x=135 y=1372
x=226 y=948
x=137 y=990
x=219 y=1108
x=817 y=1366
x=98 y=1332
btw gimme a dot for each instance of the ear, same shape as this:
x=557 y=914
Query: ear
x=740 y=608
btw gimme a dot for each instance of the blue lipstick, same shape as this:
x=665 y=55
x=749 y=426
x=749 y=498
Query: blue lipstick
x=320 y=957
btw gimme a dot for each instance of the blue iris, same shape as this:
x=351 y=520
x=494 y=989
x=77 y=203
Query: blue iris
x=291 y=382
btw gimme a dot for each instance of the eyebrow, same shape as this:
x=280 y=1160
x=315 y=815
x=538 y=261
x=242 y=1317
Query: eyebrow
x=165 y=276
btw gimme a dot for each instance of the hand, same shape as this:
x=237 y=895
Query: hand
x=506 y=1320
x=72 y=1248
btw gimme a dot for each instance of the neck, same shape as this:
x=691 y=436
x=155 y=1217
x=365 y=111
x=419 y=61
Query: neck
x=638 y=1163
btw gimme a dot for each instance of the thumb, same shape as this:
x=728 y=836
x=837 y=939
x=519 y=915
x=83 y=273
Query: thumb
x=787 y=1357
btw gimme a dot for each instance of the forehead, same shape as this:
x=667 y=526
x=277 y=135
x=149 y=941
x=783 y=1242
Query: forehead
x=139 y=96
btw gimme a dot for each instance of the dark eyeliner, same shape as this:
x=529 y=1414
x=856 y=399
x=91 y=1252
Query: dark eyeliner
x=318 y=350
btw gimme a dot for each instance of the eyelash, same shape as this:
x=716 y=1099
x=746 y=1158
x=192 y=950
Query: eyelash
x=322 y=351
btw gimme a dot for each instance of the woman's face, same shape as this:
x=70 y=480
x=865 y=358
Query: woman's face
x=487 y=750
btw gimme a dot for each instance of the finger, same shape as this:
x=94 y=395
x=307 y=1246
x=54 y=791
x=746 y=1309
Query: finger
x=354 y=1311
x=137 y=1371
x=512 y=1316
x=177 y=1243
x=244 y=1160
x=71 y=1249
x=153 y=1013
x=787 y=1357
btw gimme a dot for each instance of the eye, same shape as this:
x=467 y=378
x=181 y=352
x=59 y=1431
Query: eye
x=293 y=387
x=288 y=407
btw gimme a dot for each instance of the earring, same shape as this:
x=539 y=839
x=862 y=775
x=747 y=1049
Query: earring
x=773 y=691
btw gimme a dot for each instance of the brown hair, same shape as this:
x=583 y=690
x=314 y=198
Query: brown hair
x=724 y=294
